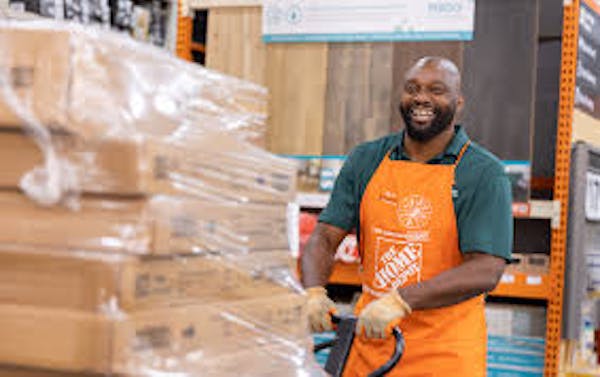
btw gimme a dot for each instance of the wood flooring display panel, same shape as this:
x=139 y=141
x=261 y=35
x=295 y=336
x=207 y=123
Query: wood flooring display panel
x=359 y=88
x=234 y=43
x=297 y=82
x=325 y=98
x=499 y=77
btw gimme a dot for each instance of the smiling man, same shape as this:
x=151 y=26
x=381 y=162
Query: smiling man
x=433 y=215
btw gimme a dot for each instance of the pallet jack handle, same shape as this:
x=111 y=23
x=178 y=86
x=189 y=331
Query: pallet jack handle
x=346 y=328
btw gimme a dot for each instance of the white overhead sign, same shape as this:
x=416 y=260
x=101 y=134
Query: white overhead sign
x=367 y=20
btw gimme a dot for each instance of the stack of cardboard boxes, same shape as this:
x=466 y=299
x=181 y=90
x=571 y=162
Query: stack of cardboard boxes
x=166 y=250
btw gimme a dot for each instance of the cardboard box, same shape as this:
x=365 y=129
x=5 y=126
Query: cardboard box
x=154 y=93
x=156 y=225
x=36 y=64
x=529 y=263
x=538 y=263
x=90 y=82
x=73 y=341
x=110 y=166
x=517 y=264
x=266 y=361
x=99 y=282
x=14 y=371
x=262 y=361
x=213 y=166
x=515 y=320
x=519 y=174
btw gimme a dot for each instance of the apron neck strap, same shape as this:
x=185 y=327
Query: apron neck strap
x=458 y=158
x=462 y=152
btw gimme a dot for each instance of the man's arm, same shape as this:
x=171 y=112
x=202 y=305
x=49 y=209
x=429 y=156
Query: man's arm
x=318 y=255
x=479 y=273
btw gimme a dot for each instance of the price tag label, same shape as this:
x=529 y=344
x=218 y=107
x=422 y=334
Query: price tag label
x=508 y=279
x=592 y=196
x=533 y=280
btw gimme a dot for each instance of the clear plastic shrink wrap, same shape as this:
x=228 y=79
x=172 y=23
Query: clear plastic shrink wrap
x=132 y=120
x=142 y=230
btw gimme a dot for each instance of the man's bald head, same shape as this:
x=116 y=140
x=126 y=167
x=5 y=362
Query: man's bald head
x=450 y=70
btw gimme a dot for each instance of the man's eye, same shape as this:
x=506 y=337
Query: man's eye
x=411 y=88
x=438 y=90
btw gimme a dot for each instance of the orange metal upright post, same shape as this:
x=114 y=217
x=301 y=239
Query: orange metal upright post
x=183 y=47
x=561 y=184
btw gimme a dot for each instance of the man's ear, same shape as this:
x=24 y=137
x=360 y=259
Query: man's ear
x=460 y=104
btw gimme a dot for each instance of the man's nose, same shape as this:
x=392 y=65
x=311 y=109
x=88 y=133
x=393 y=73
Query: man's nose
x=421 y=97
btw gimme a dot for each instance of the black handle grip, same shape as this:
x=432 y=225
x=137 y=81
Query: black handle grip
x=397 y=355
x=335 y=319
x=335 y=363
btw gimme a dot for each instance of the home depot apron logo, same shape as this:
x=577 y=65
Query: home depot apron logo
x=397 y=263
x=414 y=212
x=399 y=252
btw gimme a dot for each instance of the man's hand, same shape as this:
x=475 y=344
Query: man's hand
x=378 y=318
x=319 y=308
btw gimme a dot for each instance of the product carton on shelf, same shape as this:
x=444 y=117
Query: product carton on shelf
x=515 y=320
x=538 y=263
x=43 y=86
x=120 y=118
x=212 y=166
x=152 y=226
x=517 y=264
x=264 y=361
x=99 y=81
x=15 y=371
x=97 y=283
x=125 y=343
x=529 y=263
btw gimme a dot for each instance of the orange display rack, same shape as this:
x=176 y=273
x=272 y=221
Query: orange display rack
x=561 y=184
x=183 y=46
x=521 y=285
x=517 y=285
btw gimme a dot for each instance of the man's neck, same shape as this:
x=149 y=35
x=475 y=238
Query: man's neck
x=425 y=151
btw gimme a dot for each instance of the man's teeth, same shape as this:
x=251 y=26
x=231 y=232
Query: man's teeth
x=422 y=112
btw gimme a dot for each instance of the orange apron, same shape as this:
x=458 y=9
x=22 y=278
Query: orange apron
x=409 y=235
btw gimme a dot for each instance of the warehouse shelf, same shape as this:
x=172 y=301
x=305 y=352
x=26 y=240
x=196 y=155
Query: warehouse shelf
x=534 y=209
x=517 y=285
x=513 y=284
x=522 y=285
x=539 y=209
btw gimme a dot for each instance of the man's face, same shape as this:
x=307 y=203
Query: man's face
x=429 y=101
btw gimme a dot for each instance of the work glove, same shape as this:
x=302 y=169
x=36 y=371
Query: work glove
x=379 y=317
x=320 y=308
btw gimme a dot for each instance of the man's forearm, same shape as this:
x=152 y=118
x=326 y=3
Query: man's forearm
x=318 y=255
x=476 y=275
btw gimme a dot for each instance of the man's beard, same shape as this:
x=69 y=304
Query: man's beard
x=440 y=123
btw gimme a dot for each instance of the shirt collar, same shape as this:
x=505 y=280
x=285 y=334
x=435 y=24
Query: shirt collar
x=452 y=150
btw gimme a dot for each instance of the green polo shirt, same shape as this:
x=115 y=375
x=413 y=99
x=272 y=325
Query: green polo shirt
x=481 y=194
